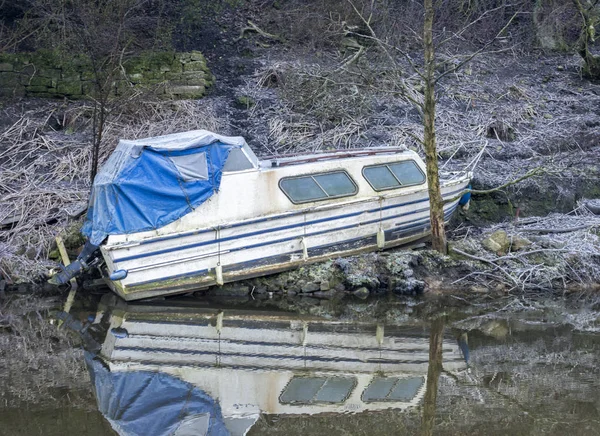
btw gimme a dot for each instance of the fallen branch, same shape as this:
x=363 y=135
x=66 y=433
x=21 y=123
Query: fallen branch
x=531 y=173
x=254 y=28
x=488 y=261
x=567 y=230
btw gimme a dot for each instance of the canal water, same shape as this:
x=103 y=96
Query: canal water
x=375 y=367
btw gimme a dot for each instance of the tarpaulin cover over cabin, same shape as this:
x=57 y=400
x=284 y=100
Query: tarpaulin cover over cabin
x=148 y=183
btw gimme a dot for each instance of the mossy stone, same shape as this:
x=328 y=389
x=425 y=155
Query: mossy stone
x=9 y=80
x=195 y=66
x=69 y=88
x=35 y=89
x=40 y=81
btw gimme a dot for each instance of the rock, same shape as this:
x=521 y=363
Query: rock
x=361 y=293
x=519 y=242
x=498 y=242
x=310 y=287
x=500 y=130
x=593 y=206
x=491 y=245
x=324 y=294
x=237 y=291
x=187 y=91
x=409 y=287
x=310 y=301
x=324 y=286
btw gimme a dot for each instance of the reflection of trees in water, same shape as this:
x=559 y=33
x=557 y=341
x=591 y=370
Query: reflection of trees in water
x=436 y=338
x=548 y=386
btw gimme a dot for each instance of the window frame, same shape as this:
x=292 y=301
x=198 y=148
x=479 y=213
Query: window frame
x=312 y=401
x=312 y=176
x=396 y=381
x=400 y=184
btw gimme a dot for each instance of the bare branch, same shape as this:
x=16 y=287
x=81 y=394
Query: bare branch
x=478 y=52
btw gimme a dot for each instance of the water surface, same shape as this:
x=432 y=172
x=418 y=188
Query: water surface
x=186 y=367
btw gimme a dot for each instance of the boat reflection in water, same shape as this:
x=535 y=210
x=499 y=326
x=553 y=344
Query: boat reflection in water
x=185 y=370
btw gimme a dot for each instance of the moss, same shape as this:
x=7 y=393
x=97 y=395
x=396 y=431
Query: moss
x=487 y=208
x=70 y=88
x=245 y=102
x=72 y=237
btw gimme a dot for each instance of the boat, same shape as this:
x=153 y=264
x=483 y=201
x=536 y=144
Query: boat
x=186 y=211
x=189 y=367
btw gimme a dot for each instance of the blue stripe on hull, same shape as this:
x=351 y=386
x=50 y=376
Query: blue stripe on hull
x=403 y=231
x=290 y=226
x=284 y=215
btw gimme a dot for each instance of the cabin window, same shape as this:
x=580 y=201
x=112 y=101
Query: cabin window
x=237 y=161
x=392 y=389
x=393 y=175
x=316 y=187
x=310 y=390
x=191 y=166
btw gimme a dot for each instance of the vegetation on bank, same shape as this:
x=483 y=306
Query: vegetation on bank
x=305 y=75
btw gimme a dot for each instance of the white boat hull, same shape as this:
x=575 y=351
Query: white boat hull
x=183 y=261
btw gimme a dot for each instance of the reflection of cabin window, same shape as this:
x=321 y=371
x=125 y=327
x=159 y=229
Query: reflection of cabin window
x=392 y=389
x=310 y=390
x=316 y=187
x=191 y=166
x=237 y=161
x=393 y=175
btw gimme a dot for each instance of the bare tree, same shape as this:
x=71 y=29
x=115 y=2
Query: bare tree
x=427 y=104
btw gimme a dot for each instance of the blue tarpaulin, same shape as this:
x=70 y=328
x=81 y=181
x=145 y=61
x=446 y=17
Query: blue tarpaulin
x=149 y=183
x=142 y=403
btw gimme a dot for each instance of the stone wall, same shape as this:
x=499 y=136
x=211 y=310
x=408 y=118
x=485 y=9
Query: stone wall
x=47 y=74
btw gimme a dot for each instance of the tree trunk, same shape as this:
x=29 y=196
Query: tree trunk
x=434 y=369
x=438 y=233
x=592 y=62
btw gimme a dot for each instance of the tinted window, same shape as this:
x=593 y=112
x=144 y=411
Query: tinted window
x=302 y=189
x=380 y=178
x=392 y=389
x=318 y=186
x=308 y=390
x=336 y=184
x=408 y=173
x=393 y=175
x=301 y=390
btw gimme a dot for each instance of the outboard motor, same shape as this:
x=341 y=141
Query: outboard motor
x=89 y=256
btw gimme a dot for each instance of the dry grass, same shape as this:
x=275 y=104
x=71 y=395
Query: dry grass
x=44 y=174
